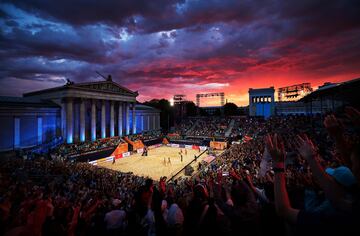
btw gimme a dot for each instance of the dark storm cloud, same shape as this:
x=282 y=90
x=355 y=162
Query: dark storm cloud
x=322 y=18
x=54 y=44
x=185 y=42
x=82 y=12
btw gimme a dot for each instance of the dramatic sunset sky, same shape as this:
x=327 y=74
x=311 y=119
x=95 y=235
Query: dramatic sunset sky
x=167 y=47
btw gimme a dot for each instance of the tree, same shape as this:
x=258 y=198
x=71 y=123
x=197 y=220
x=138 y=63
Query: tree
x=203 y=112
x=167 y=112
x=190 y=109
x=230 y=109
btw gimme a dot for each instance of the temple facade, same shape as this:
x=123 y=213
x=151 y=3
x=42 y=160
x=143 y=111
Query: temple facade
x=77 y=112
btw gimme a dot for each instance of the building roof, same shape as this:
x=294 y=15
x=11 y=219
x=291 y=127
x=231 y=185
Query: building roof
x=107 y=86
x=146 y=108
x=347 y=88
x=25 y=102
x=270 y=89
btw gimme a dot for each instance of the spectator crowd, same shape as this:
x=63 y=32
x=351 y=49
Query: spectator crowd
x=293 y=175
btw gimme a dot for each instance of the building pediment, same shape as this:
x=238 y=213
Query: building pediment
x=106 y=86
x=97 y=89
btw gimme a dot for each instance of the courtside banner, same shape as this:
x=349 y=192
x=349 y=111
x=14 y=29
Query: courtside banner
x=93 y=162
x=188 y=146
x=203 y=148
x=195 y=147
x=126 y=154
x=121 y=148
x=101 y=160
x=169 y=145
x=157 y=145
x=175 y=145
x=110 y=158
x=182 y=146
x=141 y=150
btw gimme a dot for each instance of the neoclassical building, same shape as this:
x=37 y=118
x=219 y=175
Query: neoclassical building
x=77 y=112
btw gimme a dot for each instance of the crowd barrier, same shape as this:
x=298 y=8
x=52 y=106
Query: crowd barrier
x=194 y=147
x=110 y=158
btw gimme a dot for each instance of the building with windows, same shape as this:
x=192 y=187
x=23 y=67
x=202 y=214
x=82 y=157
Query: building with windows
x=261 y=102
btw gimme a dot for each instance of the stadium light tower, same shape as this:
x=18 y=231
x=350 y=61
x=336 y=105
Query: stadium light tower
x=171 y=102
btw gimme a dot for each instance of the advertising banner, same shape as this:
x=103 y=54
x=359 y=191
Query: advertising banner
x=126 y=154
x=121 y=148
x=218 y=145
x=138 y=144
x=195 y=147
x=93 y=162
x=165 y=141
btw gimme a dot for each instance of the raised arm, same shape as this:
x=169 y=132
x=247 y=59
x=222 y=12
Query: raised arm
x=333 y=191
x=336 y=131
x=282 y=202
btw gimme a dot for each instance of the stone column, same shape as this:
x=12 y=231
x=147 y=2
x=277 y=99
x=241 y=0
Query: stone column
x=39 y=130
x=142 y=123
x=93 y=120
x=82 y=121
x=127 y=119
x=134 y=118
x=76 y=111
x=120 y=120
x=17 y=132
x=154 y=122
x=69 y=120
x=148 y=122
x=158 y=121
x=112 y=121
x=103 y=119
x=63 y=119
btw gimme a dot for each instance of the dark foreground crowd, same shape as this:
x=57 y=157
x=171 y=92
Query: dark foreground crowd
x=292 y=176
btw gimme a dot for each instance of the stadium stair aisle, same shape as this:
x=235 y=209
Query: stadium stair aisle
x=192 y=127
x=231 y=126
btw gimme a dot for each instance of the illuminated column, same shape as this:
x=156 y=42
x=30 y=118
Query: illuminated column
x=16 y=132
x=76 y=111
x=69 y=120
x=154 y=122
x=40 y=130
x=148 y=122
x=127 y=107
x=93 y=120
x=120 y=120
x=134 y=118
x=82 y=121
x=112 y=122
x=103 y=119
x=158 y=121
x=63 y=119
x=142 y=123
